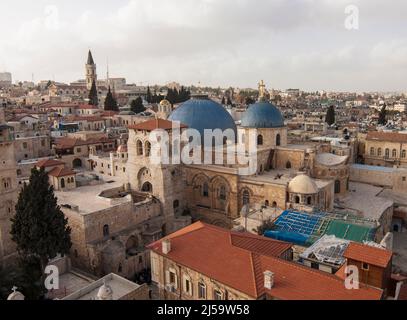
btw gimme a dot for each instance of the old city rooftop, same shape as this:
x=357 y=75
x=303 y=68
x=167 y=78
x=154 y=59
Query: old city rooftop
x=240 y=260
x=368 y=254
x=156 y=124
x=387 y=136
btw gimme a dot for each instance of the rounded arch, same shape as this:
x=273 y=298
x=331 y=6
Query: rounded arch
x=288 y=165
x=278 y=139
x=147 y=187
x=220 y=223
x=139 y=147
x=337 y=186
x=77 y=163
x=259 y=140
x=147 y=147
x=132 y=245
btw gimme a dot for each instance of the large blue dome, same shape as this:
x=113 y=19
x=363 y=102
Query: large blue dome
x=262 y=115
x=201 y=113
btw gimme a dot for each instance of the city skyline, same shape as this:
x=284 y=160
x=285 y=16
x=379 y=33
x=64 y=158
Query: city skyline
x=215 y=43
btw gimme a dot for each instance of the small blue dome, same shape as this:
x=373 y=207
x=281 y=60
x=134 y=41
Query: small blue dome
x=201 y=113
x=262 y=115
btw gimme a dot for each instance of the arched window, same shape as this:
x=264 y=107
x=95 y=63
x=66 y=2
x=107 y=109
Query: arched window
x=222 y=193
x=120 y=268
x=379 y=152
x=259 y=140
x=387 y=153
x=403 y=153
x=106 y=230
x=201 y=290
x=175 y=204
x=274 y=204
x=266 y=203
x=309 y=200
x=246 y=197
x=278 y=140
x=205 y=190
x=147 y=187
x=337 y=186
x=394 y=153
x=372 y=151
x=288 y=165
x=148 y=148
x=62 y=183
x=139 y=148
x=297 y=199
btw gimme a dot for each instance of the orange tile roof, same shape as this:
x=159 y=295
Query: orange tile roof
x=386 y=136
x=403 y=292
x=46 y=163
x=238 y=260
x=368 y=254
x=61 y=172
x=155 y=124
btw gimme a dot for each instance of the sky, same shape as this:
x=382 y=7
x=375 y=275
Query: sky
x=287 y=43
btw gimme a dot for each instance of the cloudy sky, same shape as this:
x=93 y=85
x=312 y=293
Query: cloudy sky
x=288 y=43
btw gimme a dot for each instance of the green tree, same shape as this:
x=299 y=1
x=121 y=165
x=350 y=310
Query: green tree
x=265 y=226
x=137 y=105
x=330 y=115
x=149 y=97
x=93 y=95
x=26 y=276
x=39 y=227
x=110 y=102
x=382 y=116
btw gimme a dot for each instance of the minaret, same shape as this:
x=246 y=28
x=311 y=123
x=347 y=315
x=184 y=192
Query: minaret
x=90 y=71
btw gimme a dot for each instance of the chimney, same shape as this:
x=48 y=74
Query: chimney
x=166 y=246
x=268 y=279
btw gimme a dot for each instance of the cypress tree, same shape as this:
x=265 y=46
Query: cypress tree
x=93 y=95
x=382 y=116
x=137 y=105
x=330 y=115
x=149 y=97
x=39 y=227
x=110 y=102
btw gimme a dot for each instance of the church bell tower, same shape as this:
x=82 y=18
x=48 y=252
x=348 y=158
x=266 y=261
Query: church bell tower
x=90 y=71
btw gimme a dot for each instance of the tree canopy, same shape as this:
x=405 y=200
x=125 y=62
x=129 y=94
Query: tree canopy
x=39 y=227
x=382 y=116
x=137 y=105
x=93 y=95
x=110 y=102
x=330 y=115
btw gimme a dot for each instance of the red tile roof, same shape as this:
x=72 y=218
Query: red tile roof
x=368 y=254
x=403 y=292
x=386 y=136
x=238 y=260
x=46 y=163
x=155 y=124
x=61 y=172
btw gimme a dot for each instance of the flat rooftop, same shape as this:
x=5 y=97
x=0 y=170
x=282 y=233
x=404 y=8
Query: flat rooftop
x=119 y=285
x=364 y=199
x=87 y=198
x=280 y=177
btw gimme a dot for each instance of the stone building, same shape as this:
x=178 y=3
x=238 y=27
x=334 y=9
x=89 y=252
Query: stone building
x=386 y=149
x=205 y=262
x=8 y=191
